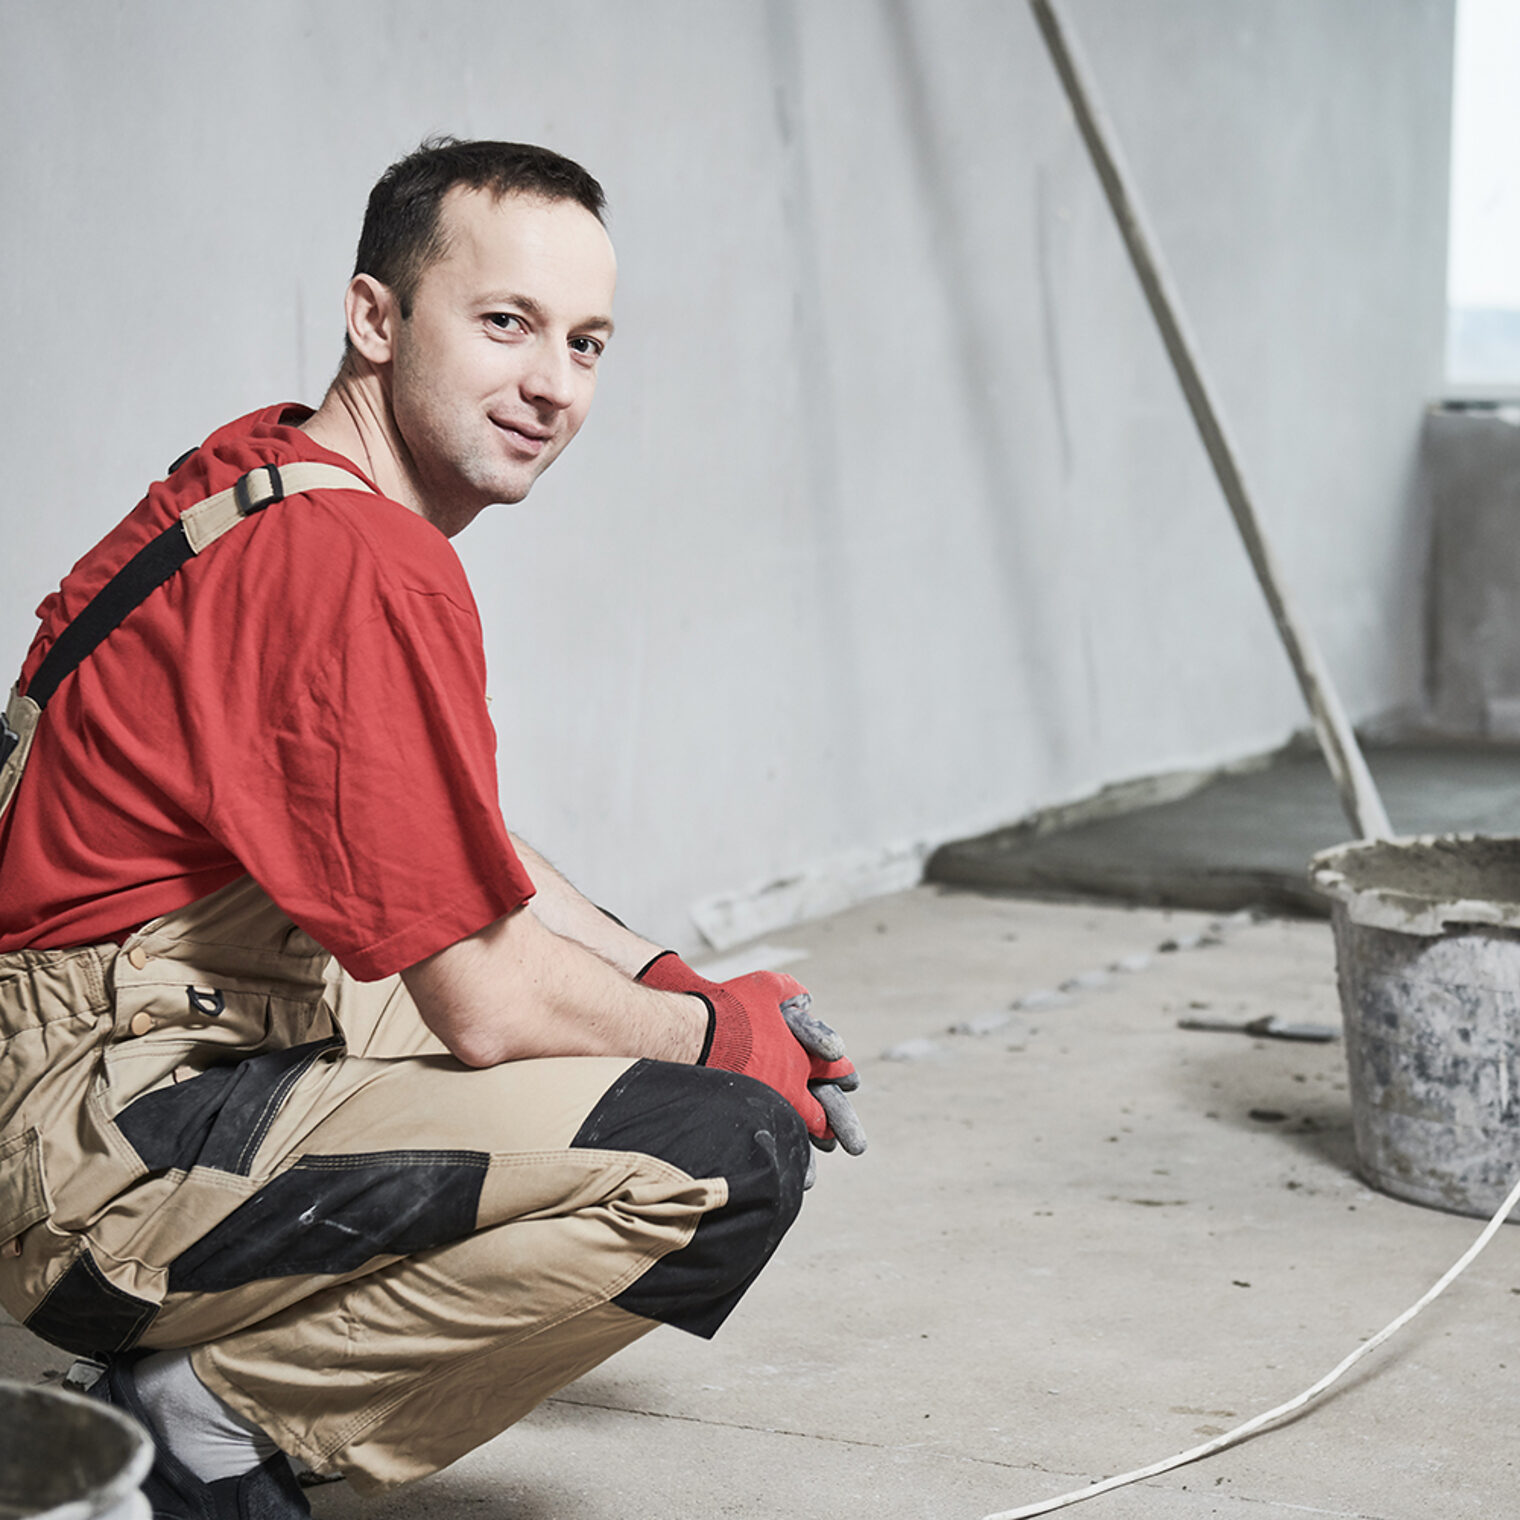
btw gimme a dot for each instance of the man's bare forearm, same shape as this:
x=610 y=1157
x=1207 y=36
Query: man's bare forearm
x=516 y=989
x=572 y=915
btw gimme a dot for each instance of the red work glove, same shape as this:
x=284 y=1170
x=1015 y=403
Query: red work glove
x=759 y=1025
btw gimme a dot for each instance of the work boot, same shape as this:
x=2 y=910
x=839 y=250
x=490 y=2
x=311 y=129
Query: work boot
x=266 y=1492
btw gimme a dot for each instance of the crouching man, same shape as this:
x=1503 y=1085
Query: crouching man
x=331 y=1117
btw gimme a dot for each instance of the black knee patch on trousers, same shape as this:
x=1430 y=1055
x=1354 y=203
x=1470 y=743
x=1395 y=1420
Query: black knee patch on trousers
x=709 y=1123
x=85 y=1313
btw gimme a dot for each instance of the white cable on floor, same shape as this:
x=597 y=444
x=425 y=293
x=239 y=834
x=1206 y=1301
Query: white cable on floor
x=1240 y=1432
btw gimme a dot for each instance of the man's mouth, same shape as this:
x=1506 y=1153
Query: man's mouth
x=528 y=437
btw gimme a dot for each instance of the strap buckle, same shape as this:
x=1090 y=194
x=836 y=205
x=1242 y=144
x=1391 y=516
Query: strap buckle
x=243 y=492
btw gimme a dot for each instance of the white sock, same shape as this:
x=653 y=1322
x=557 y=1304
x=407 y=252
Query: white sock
x=210 y=1438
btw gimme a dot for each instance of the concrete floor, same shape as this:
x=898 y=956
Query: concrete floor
x=1080 y=1241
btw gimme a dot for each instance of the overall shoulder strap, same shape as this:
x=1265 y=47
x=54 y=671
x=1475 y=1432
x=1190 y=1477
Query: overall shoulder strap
x=153 y=564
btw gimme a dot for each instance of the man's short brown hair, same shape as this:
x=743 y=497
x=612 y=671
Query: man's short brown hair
x=403 y=232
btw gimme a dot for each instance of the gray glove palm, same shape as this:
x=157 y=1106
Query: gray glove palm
x=825 y=1047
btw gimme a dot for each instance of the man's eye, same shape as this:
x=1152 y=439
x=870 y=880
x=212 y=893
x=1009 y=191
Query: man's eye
x=504 y=320
x=590 y=348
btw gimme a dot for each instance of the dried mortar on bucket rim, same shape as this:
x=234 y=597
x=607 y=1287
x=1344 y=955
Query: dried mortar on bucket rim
x=1424 y=884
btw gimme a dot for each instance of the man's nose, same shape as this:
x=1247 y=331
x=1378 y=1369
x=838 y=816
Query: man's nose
x=550 y=378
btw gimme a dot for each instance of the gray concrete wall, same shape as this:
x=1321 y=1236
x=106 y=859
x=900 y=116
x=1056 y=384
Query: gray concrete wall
x=890 y=524
x=1472 y=460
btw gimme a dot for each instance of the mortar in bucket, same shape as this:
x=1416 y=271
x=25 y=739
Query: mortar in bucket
x=66 y=1457
x=1427 y=941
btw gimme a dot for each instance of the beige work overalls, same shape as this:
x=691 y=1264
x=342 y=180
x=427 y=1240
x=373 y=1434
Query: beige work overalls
x=212 y=1136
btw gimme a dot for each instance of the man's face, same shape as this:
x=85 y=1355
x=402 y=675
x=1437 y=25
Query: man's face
x=493 y=372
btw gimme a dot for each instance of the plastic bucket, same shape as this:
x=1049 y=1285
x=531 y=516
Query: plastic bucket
x=66 y=1457
x=1427 y=941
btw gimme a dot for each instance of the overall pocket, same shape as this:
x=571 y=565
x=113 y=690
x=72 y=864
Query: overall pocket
x=23 y=1194
x=32 y=1255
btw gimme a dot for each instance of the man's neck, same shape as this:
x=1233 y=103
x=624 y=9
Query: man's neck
x=354 y=421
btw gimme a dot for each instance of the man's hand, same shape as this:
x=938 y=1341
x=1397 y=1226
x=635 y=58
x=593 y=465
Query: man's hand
x=760 y=1026
x=831 y=1075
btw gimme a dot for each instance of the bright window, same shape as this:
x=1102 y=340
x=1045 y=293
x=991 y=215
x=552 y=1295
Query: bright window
x=1483 y=272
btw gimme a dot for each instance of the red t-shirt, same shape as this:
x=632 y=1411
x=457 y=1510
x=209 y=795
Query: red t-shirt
x=303 y=701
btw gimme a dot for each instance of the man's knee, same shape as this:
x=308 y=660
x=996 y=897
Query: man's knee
x=710 y=1124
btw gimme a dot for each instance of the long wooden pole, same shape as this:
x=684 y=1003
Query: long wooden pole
x=1358 y=792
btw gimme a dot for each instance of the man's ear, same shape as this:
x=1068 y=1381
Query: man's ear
x=373 y=316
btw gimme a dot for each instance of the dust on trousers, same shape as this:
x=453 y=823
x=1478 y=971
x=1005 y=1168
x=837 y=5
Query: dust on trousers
x=210 y=1136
